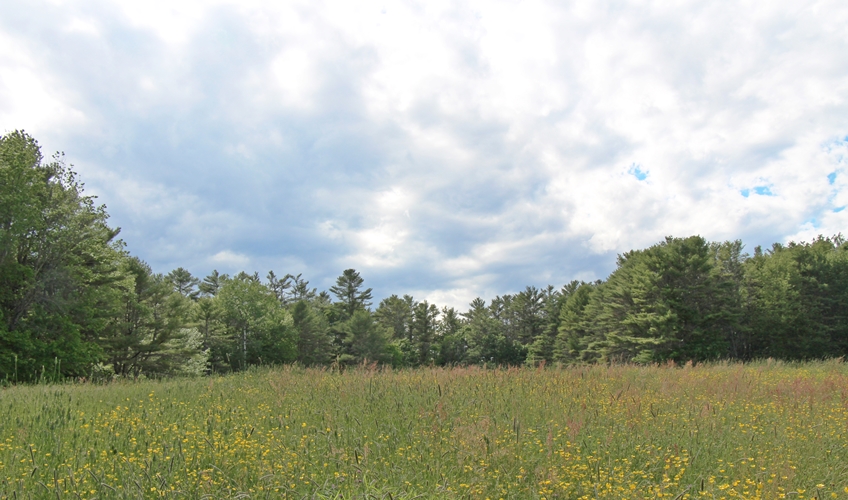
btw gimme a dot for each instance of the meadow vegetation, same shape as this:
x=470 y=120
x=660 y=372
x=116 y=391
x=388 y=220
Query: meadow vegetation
x=722 y=430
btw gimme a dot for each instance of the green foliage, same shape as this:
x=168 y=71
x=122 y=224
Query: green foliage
x=279 y=286
x=402 y=353
x=147 y=337
x=314 y=343
x=423 y=331
x=71 y=298
x=258 y=328
x=395 y=313
x=366 y=339
x=184 y=283
x=573 y=341
x=799 y=300
x=57 y=264
x=487 y=342
x=664 y=302
x=542 y=348
x=452 y=345
x=300 y=289
x=348 y=289
x=211 y=284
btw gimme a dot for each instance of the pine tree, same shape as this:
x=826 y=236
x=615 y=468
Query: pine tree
x=184 y=283
x=348 y=290
x=146 y=338
x=314 y=343
x=366 y=340
x=424 y=323
x=395 y=313
x=211 y=284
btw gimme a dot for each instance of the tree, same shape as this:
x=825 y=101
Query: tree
x=732 y=301
x=573 y=339
x=279 y=286
x=367 y=340
x=147 y=336
x=664 y=302
x=259 y=328
x=799 y=294
x=484 y=332
x=314 y=343
x=184 y=283
x=452 y=345
x=527 y=312
x=348 y=289
x=300 y=289
x=423 y=328
x=542 y=348
x=207 y=316
x=211 y=284
x=58 y=264
x=395 y=313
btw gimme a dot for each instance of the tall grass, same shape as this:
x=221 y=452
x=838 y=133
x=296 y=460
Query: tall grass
x=767 y=430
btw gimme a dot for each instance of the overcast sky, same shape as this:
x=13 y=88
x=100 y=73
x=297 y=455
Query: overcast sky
x=444 y=149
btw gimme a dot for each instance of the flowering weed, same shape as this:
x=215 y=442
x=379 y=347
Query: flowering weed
x=766 y=430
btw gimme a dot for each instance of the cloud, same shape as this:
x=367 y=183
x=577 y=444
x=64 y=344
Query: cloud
x=445 y=149
x=230 y=259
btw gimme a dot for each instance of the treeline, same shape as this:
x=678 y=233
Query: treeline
x=75 y=303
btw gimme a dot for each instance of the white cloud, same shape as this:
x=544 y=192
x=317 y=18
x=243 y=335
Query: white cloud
x=453 y=149
x=83 y=25
x=31 y=97
x=230 y=259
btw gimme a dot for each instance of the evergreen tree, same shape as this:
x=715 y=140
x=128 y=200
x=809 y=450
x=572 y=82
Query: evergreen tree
x=314 y=343
x=300 y=289
x=147 y=337
x=484 y=332
x=348 y=290
x=529 y=320
x=207 y=316
x=395 y=313
x=662 y=303
x=544 y=342
x=279 y=286
x=366 y=340
x=184 y=283
x=424 y=323
x=211 y=284
x=452 y=345
x=731 y=304
x=573 y=340
x=799 y=294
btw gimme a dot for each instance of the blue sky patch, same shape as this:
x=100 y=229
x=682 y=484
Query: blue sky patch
x=838 y=209
x=760 y=190
x=831 y=178
x=636 y=171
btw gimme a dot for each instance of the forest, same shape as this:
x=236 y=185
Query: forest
x=75 y=303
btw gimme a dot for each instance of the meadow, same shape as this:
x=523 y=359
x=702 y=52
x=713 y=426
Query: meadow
x=764 y=430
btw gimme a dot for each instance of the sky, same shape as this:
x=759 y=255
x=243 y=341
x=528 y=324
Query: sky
x=443 y=149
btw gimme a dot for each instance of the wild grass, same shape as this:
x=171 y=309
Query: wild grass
x=765 y=430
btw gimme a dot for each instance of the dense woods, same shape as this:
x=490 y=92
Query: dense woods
x=74 y=302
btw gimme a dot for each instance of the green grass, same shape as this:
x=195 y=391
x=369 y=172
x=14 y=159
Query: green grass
x=765 y=430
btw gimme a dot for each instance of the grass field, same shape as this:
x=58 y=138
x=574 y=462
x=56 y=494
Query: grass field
x=766 y=430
